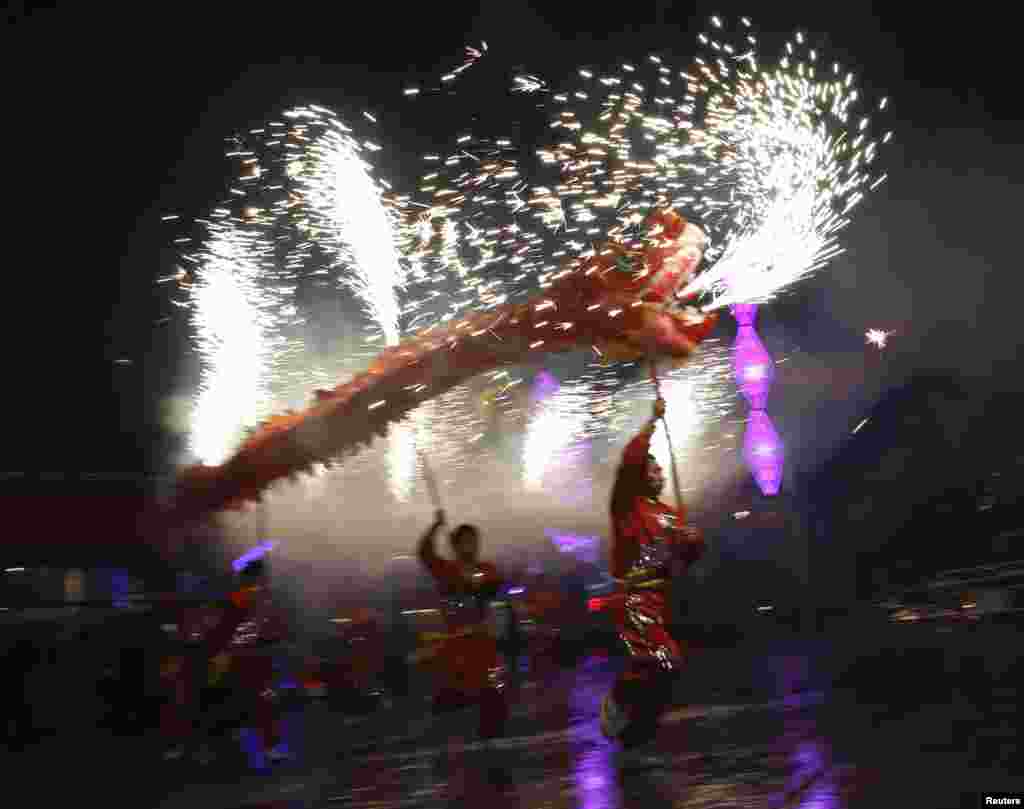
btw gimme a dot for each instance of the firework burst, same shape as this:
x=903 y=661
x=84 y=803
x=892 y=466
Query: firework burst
x=347 y=204
x=771 y=160
x=784 y=156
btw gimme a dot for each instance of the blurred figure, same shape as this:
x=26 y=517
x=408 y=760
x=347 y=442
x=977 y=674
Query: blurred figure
x=471 y=669
x=181 y=675
x=651 y=548
x=242 y=646
x=544 y=608
x=355 y=681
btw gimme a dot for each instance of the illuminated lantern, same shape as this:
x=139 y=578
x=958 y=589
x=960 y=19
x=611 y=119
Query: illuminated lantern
x=752 y=363
x=755 y=372
x=763 y=452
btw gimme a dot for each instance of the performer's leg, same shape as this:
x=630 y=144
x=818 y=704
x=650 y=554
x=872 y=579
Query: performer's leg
x=176 y=712
x=255 y=677
x=493 y=713
x=648 y=699
x=266 y=707
x=643 y=691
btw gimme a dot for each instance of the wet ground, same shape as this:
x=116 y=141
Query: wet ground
x=796 y=738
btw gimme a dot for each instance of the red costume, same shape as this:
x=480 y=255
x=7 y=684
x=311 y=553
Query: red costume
x=181 y=674
x=471 y=668
x=650 y=547
x=250 y=626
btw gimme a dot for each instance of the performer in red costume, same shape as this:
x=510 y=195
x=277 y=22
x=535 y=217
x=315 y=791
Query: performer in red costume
x=182 y=674
x=652 y=548
x=250 y=629
x=471 y=668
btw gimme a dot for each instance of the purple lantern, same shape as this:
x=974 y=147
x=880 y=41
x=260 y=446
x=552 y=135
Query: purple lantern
x=755 y=372
x=745 y=313
x=763 y=452
x=753 y=366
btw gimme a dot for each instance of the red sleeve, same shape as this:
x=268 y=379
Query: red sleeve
x=690 y=550
x=628 y=487
x=637 y=449
x=220 y=637
x=490 y=572
x=444 y=571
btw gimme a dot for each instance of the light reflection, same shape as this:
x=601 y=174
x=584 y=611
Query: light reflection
x=594 y=767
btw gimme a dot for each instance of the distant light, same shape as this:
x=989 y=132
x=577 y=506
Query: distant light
x=765 y=608
x=970 y=605
x=857 y=428
x=343 y=620
x=516 y=591
x=741 y=515
x=14 y=570
x=419 y=612
x=877 y=337
x=399 y=557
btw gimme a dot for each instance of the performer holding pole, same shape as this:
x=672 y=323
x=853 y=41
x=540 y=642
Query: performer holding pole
x=651 y=548
x=471 y=668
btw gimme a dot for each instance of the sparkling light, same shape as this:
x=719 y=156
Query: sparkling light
x=346 y=201
x=876 y=337
x=556 y=425
x=772 y=160
x=785 y=160
x=347 y=204
x=234 y=330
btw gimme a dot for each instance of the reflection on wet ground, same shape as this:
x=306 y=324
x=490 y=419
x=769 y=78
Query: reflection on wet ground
x=814 y=747
x=758 y=755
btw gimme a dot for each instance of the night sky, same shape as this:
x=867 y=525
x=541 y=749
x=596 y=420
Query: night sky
x=119 y=117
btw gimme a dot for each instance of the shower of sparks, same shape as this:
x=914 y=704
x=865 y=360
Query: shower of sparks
x=346 y=204
x=554 y=430
x=235 y=341
x=473 y=55
x=608 y=405
x=527 y=84
x=785 y=158
x=877 y=337
x=345 y=201
x=771 y=160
